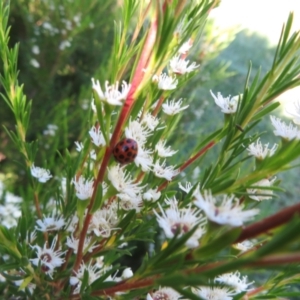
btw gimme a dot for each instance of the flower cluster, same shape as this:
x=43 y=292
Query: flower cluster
x=130 y=186
x=9 y=207
x=233 y=284
x=287 y=132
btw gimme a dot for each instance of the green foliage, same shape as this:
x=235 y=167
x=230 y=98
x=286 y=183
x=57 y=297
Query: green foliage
x=84 y=214
x=62 y=47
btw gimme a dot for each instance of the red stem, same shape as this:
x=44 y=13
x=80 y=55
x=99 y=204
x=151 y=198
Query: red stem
x=127 y=286
x=269 y=223
x=200 y=153
x=137 y=78
x=255 y=291
x=158 y=106
x=189 y=162
x=274 y=260
x=278 y=259
x=81 y=241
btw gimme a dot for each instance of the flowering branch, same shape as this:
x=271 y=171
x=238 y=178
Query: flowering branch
x=190 y=161
x=93 y=212
x=137 y=78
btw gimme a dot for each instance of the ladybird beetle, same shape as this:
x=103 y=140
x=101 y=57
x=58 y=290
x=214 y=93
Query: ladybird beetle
x=125 y=151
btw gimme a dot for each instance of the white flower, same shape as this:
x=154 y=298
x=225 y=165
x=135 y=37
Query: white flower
x=295 y=112
x=187 y=188
x=72 y=224
x=77 y=19
x=50 y=223
x=48 y=26
x=112 y=95
x=234 y=280
x=260 y=151
x=9 y=214
x=123 y=182
x=162 y=171
x=93 y=273
x=229 y=211
x=164 y=293
x=84 y=187
x=181 y=220
x=228 y=105
x=72 y=243
x=104 y=221
x=79 y=146
x=34 y=63
x=130 y=202
x=30 y=237
x=67 y=23
x=9 y=210
x=35 y=49
x=64 y=44
x=51 y=130
x=261 y=194
x=163 y=151
x=150 y=121
x=287 y=132
x=99 y=262
x=172 y=108
x=11 y=198
x=165 y=82
x=214 y=293
x=127 y=273
x=185 y=47
x=151 y=195
x=243 y=246
x=144 y=159
x=41 y=174
x=180 y=66
x=97 y=136
x=136 y=131
x=48 y=258
x=93 y=154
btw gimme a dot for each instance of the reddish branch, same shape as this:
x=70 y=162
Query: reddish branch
x=137 y=78
x=158 y=106
x=279 y=259
x=127 y=286
x=273 y=260
x=269 y=223
x=200 y=153
x=190 y=161
x=136 y=81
